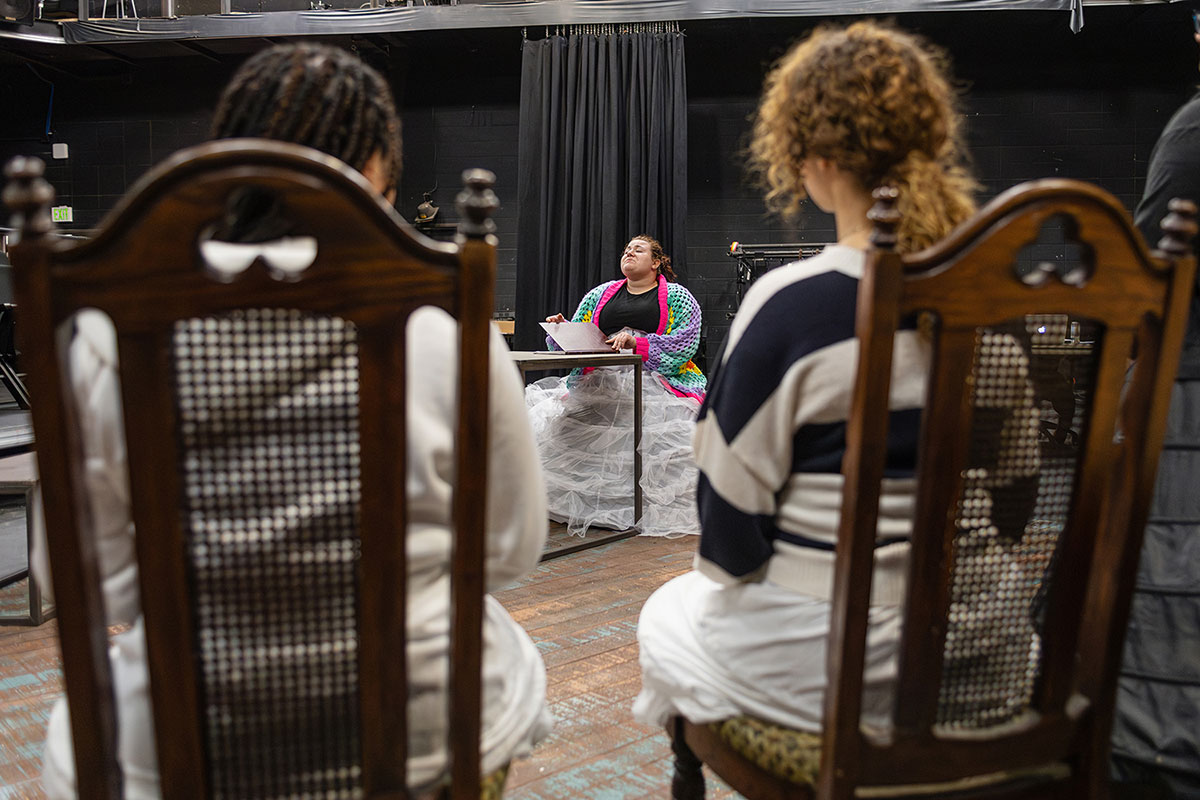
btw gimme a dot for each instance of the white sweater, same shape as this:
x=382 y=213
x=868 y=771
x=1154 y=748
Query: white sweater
x=515 y=714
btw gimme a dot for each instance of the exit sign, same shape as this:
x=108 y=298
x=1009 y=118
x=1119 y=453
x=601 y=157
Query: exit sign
x=61 y=214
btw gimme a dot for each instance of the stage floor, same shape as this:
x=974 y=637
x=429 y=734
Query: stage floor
x=581 y=610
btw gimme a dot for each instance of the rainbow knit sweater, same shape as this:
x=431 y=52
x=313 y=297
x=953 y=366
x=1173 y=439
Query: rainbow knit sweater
x=669 y=350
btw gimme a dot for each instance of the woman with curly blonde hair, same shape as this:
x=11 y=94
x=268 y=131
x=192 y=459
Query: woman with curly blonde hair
x=875 y=104
x=846 y=110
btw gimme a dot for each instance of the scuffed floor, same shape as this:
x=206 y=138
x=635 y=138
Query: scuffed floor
x=580 y=609
x=30 y=682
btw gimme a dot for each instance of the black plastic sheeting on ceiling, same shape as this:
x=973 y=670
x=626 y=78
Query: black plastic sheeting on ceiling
x=513 y=13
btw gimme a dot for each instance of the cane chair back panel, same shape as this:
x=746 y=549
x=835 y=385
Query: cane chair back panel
x=263 y=389
x=1034 y=470
x=271 y=486
x=1017 y=485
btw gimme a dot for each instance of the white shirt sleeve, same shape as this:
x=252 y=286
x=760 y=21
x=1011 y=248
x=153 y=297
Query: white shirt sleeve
x=517 y=519
x=92 y=364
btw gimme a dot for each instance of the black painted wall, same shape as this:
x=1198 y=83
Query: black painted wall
x=1041 y=102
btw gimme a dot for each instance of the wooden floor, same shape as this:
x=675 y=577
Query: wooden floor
x=581 y=610
x=30 y=682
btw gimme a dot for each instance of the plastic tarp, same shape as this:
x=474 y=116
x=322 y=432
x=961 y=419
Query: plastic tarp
x=513 y=13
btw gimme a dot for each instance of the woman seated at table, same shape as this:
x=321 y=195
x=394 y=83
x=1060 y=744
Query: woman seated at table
x=584 y=422
x=845 y=111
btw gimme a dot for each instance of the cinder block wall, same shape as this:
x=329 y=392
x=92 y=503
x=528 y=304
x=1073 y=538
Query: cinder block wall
x=1039 y=102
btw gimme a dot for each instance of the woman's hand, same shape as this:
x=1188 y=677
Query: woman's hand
x=556 y=318
x=622 y=341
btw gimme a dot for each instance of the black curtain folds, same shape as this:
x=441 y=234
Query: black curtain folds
x=603 y=157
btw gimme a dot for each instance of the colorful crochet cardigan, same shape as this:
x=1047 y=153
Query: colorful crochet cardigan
x=669 y=350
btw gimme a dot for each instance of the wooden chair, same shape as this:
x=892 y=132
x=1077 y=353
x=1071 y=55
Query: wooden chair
x=180 y=327
x=1025 y=542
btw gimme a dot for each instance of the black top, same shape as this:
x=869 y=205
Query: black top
x=1175 y=172
x=627 y=310
x=1158 y=701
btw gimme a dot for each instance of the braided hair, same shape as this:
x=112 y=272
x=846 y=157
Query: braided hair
x=658 y=254
x=314 y=95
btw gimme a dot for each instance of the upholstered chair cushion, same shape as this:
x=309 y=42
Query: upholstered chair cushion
x=788 y=754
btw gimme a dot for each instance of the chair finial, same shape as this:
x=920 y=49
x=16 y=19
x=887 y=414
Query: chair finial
x=885 y=216
x=1179 y=228
x=29 y=196
x=476 y=203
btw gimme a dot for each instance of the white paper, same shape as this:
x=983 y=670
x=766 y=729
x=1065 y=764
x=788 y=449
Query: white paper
x=577 y=337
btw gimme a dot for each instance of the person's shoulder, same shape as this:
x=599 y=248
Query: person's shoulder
x=678 y=290
x=801 y=275
x=431 y=319
x=800 y=307
x=95 y=339
x=1184 y=124
x=1190 y=109
x=597 y=291
x=435 y=330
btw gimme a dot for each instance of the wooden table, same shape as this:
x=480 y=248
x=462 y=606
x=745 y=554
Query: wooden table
x=18 y=476
x=537 y=360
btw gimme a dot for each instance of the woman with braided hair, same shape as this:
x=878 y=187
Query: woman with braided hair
x=319 y=96
x=327 y=99
x=584 y=423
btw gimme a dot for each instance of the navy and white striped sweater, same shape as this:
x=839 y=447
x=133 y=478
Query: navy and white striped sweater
x=771 y=434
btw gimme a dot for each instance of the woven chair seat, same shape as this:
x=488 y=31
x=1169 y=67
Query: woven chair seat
x=491 y=787
x=788 y=754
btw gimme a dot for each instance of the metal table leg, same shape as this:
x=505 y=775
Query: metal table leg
x=37 y=615
x=540 y=364
x=637 y=445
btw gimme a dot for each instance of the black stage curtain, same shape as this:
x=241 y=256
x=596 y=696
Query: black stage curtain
x=603 y=157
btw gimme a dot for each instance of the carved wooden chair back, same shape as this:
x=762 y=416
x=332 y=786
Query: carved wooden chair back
x=271 y=523
x=1035 y=465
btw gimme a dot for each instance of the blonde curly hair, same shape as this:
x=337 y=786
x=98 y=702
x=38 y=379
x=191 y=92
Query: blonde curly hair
x=876 y=102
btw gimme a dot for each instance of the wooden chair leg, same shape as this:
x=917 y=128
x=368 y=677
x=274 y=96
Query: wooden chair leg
x=688 y=781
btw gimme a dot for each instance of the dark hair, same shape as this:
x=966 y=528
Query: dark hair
x=315 y=95
x=657 y=253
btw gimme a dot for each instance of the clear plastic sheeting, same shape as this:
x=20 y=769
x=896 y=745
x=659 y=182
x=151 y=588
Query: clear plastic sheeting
x=514 y=13
x=584 y=430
